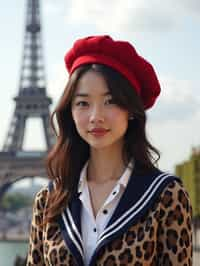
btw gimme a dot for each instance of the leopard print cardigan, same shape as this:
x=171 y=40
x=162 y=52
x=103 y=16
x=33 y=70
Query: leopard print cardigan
x=160 y=236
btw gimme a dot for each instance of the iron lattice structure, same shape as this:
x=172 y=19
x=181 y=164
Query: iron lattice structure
x=31 y=101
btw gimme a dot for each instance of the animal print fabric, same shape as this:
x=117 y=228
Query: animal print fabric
x=162 y=237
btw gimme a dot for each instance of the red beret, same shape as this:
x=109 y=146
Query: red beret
x=121 y=56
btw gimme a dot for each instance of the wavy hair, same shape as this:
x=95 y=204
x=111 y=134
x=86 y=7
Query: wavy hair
x=70 y=152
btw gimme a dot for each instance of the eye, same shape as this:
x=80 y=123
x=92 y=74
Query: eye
x=109 y=101
x=81 y=103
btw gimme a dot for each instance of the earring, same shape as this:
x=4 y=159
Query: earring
x=131 y=118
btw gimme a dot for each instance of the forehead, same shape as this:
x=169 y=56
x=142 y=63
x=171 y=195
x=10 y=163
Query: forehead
x=91 y=83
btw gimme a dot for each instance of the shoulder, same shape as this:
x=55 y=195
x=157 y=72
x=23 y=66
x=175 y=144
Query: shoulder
x=42 y=193
x=174 y=196
x=168 y=181
x=174 y=183
x=41 y=197
x=170 y=191
x=154 y=183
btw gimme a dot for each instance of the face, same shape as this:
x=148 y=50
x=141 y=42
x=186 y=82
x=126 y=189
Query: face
x=98 y=120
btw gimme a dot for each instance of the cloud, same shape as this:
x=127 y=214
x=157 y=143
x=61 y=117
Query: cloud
x=131 y=16
x=173 y=124
x=174 y=139
x=55 y=8
x=57 y=81
x=179 y=100
x=191 y=5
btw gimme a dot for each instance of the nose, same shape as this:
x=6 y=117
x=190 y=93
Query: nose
x=96 y=115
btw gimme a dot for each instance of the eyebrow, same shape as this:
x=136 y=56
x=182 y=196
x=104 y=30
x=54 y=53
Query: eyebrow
x=87 y=95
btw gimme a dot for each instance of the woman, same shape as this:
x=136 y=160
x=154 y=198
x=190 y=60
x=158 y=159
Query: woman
x=108 y=203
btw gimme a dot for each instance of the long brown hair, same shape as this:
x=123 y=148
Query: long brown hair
x=69 y=154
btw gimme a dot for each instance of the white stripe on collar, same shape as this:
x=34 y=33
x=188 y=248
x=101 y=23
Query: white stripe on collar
x=120 y=222
x=71 y=235
x=137 y=207
x=74 y=226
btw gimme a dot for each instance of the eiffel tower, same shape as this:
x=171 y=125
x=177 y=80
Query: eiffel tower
x=32 y=101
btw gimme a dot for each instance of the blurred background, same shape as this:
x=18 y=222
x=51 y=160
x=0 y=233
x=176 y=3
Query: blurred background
x=166 y=34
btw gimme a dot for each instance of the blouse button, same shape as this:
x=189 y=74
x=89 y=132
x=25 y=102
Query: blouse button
x=94 y=229
x=105 y=211
x=114 y=192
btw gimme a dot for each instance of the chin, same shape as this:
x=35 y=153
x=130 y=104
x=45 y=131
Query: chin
x=98 y=146
x=101 y=145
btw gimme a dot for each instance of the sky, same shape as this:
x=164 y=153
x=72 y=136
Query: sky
x=166 y=33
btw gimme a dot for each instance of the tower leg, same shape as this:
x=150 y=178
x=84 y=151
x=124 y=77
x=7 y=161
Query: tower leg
x=48 y=131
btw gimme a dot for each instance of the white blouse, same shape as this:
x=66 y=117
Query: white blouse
x=92 y=227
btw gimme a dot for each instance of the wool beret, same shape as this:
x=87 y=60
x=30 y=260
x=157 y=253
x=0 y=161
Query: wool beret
x=121 y=56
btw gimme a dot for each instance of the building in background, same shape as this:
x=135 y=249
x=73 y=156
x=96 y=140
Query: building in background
x=189 y=171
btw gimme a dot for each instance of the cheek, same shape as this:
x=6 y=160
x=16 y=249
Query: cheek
x=80 y=118
x=118 y=116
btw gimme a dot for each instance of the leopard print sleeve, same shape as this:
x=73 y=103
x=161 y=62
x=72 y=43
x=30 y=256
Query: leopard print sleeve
x=174 y=244
x=35 y=253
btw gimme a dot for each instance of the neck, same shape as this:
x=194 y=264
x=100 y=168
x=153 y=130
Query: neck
x=105 y=166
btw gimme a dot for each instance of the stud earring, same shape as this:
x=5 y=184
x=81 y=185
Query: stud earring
x=131 y=118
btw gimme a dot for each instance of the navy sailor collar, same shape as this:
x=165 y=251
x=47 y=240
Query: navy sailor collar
x=139 y=195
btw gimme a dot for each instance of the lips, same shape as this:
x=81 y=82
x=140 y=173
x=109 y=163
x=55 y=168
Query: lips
x=98 y=131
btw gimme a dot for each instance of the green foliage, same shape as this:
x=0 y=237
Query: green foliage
x=15 y=201
x=189 y=171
